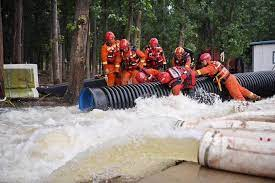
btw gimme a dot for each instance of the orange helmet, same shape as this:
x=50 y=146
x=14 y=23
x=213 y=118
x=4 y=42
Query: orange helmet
x=164 y=77
x=123 y=45
x=154 y=42
x=141 y=77
x=205 y=56
x=109 y=36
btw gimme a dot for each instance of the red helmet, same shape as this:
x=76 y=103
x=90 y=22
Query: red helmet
x=164 y=77
x=154 y=42
x=141 y=77
x=205 y=56
x=123 y=45
x=109 y=36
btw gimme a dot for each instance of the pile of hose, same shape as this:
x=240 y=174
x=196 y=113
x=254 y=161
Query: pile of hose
x=122 y=97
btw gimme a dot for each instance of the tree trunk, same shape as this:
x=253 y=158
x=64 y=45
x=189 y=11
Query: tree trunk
x=64 y=62
x=55 y=55
x=212 y=39
x=60 y=53
x=88 y=68
x=50 y=63
x=17 y=36
x=137 y=39
x=130 y=20
x=105 y=14
x=78 y=51
x=163 y=34
x=94 y=60
x=181 y=36
x=2 y=91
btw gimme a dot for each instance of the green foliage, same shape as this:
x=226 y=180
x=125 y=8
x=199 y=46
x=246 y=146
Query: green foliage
x=230 y=25
x=71 y=27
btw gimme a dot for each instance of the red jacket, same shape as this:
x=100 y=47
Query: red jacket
x=131 y=60
x=154 y=57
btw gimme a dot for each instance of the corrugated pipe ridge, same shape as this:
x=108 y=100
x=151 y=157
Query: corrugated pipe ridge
x=122 y=97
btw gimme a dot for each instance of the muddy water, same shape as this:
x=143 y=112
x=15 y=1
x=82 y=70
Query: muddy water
x=61 y=144
x=129 y=162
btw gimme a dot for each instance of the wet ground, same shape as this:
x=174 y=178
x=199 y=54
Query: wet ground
x=193 y=173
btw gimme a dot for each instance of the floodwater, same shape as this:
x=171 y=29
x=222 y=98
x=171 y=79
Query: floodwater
x=62 y=144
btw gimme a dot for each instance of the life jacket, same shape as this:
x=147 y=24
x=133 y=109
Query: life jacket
x=180 y=75
x=182 y=61
x=130 y=60
x=155 y=57
x=111 y=51
x=222 y=73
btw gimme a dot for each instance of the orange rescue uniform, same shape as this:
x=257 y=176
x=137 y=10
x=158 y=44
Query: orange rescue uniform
x=221 y=75
x=111 y=65
x=154 y=58
x=132 y=61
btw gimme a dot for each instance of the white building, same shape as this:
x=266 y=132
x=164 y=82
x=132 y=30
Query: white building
x=263 y=55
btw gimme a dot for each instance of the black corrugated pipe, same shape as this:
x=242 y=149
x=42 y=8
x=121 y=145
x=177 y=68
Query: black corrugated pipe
x=122 y=97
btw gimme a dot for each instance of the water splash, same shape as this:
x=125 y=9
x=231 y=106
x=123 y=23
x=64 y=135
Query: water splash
x=35 y=142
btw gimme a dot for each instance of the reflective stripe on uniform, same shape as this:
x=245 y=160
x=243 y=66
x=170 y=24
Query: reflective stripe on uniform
x=104 y=63
x=199 y=72
x=117 y=65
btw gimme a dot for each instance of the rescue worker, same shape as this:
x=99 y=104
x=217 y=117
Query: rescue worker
x=109 y=52
x=147 y=75
x=154 y=56
x=178 y=78
x=181 y=58
x=132 y=60
x=221 y=76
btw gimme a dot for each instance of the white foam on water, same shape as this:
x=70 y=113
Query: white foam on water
x=36 y=141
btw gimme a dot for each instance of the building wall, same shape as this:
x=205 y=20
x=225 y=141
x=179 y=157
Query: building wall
x=263 y=57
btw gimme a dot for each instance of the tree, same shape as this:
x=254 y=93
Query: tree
x=88 y=68
x=57 y=77
x=197 y=25
x=17 y=35
x=137 y=38
x=78 y=50
x=94 y=42
x=2 y=91
x=130 y=20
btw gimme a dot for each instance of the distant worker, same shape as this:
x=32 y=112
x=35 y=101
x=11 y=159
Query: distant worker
x=178 y=79
x=221 y=76
x=132 y=60
x=109 y=52
x=154 y=56
x=181 y=58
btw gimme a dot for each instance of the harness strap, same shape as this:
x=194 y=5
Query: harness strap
x=219 y=80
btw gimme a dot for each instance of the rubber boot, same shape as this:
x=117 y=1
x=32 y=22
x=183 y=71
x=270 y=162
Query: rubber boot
x=255 y=97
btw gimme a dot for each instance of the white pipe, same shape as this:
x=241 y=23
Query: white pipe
x=238 y=150
x=227 y=123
